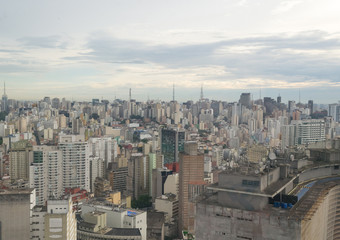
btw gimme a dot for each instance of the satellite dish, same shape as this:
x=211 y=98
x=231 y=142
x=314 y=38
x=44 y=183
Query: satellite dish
x=272 y=156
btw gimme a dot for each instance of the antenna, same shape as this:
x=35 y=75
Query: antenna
x=173 y=92
x=4 y=87
x=299 y=96
x=260 y=93
x=130 y=95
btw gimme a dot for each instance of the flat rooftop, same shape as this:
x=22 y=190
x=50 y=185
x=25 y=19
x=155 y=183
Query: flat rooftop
x=16 y=191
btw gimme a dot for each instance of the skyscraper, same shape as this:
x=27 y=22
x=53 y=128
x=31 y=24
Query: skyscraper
x=75 y=154
x=191 y=171
x=19 y=160
x=4 y=105
x=46 y=173
x=245 y=100
x=172 y=144
x=310 y=106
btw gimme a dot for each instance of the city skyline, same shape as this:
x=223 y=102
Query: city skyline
x=92 y=50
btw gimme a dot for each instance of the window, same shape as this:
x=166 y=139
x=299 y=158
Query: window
x=250 y=183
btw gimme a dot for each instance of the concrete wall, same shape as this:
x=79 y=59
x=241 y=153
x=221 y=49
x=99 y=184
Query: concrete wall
x=269 y=178
x=318 y=172
x=242 y=201
x=231 y=181
x=15 y=216
x=217 y=223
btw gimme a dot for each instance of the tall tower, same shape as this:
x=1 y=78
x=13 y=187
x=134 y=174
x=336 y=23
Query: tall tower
x=201 y=97
x=173 y=92
x=130 y=95
x=4 y=105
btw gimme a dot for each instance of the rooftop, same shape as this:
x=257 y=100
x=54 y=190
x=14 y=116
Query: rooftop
x=16 y=191
x=124 y=232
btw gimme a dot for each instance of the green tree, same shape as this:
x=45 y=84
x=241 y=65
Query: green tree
x=3 y=116
x=143 y=201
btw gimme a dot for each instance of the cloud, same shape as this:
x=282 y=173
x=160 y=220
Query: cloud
x=301 y=60
x=291 y=58
x=285 y=6
x=44 y=42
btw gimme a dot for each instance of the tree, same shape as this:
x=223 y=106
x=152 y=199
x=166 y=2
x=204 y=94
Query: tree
x=95 y=116
x=143 y=201
x=3 y=116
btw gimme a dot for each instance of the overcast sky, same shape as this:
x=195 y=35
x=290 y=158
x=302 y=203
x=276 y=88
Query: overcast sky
x=99 y=49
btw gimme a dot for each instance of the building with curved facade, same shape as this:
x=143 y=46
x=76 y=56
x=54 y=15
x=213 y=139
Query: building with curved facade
x=287 y=201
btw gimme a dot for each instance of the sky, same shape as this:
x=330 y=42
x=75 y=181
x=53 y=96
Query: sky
x=84 y=49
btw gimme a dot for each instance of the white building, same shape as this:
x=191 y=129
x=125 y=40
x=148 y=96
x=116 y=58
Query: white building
x=302 y=132
x=121 y=218
x=310 y=131
x=75 y=152
x=46 y=173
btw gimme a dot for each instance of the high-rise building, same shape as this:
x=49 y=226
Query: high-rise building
x=172 y=144
x=245 y=100
x=118 y=179
x=138 y=178
x=4 y=103
x=159 y=176
x=75 y=152
x=269 y=104
x=62 y=121
x=310 y=106
x=191 y=170
x=56 y=103
x=310 y=131
x=19 y=160
x=15 y=213
x=334 y=111
x=102 y=148
x=46 y=173
x=96 y=170
x=278 y=99
x=303 y=132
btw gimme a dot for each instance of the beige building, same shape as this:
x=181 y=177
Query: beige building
x=15 y=213
x=94 y=227
x=257 y=153
x=22 y=124
x=60 y=220
x=62 y=121
x=191 y=165
x=168 y=204
x=20 y=159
